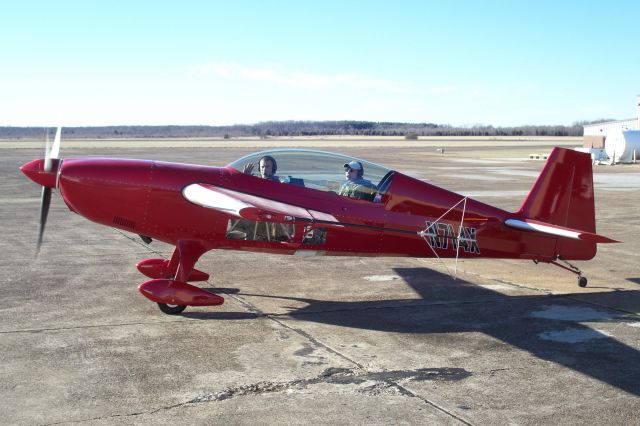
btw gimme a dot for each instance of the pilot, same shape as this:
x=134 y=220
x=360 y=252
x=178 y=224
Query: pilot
x=260 y=231
x=268 y=168
x=356 y=186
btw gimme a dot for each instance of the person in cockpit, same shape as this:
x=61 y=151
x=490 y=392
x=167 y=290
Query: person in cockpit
x=260 y=231
x=356 y=186
x=267 y=166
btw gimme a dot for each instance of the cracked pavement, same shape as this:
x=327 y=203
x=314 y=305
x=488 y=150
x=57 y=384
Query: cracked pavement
x=327 y=340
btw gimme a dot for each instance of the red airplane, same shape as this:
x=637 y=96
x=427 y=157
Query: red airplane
x=301 y=212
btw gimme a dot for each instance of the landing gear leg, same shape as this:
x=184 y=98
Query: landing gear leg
x=172 y=292
x=582 y=280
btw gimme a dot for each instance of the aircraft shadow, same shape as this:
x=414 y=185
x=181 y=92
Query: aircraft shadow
x=447 y=306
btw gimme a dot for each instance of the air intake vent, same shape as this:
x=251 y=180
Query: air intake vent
x=121 y=221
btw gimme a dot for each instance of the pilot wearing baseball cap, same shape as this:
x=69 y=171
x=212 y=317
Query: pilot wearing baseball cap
x=356 y=186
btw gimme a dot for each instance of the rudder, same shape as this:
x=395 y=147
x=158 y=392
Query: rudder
x=563 y=192
x=563 y=195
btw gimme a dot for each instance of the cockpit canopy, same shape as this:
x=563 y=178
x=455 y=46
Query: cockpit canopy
x=319 y=170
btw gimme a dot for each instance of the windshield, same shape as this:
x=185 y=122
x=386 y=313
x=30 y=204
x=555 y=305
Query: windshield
x=320 y=170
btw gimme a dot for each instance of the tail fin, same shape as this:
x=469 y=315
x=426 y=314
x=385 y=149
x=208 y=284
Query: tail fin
x=563 y=193
x=562 y=200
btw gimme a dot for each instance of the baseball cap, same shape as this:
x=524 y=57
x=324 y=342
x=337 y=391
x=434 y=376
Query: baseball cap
x=353 y=165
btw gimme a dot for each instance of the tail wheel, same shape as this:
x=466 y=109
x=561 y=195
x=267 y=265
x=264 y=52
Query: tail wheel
x=171 y=309
x=582 y=281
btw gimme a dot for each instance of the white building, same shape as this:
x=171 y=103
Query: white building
x=617 y=141
x=611 y=127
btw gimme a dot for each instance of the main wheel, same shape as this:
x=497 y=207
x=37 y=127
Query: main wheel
x=582 y=281
x=171 y=309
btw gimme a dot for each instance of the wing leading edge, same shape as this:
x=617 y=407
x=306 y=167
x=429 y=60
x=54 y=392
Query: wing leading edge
x=250 y=207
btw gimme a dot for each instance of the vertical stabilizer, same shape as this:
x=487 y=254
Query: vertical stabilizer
x=563 y=196
x=563 y=193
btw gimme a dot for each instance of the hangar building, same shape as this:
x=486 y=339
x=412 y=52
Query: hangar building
x=595 y=134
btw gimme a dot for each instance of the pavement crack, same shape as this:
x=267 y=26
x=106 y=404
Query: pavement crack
x=377 y=381
x=495 y=370
x=251 y=389
x=112 y=416
x=340 y=376
x=417 y=303
x=629 y=313
x=82 y=327
x=317 y=343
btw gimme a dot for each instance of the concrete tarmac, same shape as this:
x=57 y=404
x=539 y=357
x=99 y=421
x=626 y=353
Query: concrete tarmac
x=322 y=340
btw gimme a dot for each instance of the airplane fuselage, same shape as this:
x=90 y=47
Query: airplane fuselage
x=145 y=197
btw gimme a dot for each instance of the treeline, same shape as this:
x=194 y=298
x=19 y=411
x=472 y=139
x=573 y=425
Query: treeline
x=293 y=128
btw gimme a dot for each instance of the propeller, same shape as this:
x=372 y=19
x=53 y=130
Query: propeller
x=51 y=152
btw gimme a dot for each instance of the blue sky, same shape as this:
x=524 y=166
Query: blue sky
x=86 y=63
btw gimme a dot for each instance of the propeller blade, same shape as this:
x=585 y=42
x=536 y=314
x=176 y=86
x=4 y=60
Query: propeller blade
x=52 y=151
x=55 y=149
x=47 y=153
x=44 y=211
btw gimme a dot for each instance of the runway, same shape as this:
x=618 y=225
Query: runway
x=322 y=340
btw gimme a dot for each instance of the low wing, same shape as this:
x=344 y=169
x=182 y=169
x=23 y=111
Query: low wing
x=559 y=231
x=250 y=207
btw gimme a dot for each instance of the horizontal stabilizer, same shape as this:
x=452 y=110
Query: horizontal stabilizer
x=559 y=231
